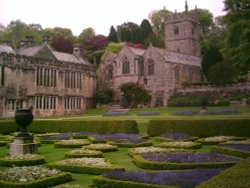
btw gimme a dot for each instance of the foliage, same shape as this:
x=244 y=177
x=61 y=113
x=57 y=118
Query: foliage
x=148 y=113
x=62 y=45
x=113 y=126
x=129 y=32
x=156 y=40
x=201 y=127
x=104 y=95
x=237 y=22
x=112 y=47
x=238 y=150
x=157 y=19
x=223 y=73
x=211 y=56
x=179 y=144
x=113 y=35
x=134 y=94
x=146 y=29
x=86 y=33
x=230 y=177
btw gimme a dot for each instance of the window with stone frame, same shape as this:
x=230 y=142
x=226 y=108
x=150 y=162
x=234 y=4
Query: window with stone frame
x=73 y=79
x=125 y=66
x=177 y=75
x=13 y=104
x=140 y=67
x=151 y=67
x=110 y=72
x=46 y=102
x=2 y=75
x=176 y=30
x=46 y=77
x=72 y=103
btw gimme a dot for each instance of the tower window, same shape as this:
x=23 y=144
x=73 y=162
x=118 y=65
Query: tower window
x=176 y=30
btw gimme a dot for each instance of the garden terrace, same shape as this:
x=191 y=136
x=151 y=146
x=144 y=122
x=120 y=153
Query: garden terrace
x=238 y=150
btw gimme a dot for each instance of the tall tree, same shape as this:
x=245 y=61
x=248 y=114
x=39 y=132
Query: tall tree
x=88 y=32
x=237 y=22
x=62 y=45
x=112 y=35
x=146 y=29
x=157 y=19
x=129 y=32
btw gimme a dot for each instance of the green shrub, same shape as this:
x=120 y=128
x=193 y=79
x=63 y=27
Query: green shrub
x=234 y=177
x=103 y=182
x=26 y=162
x=201 y=128
x=63 y=177
x=230 y=151
x=114 y=126
x=130 y=145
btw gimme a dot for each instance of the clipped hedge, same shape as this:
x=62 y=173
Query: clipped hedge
x=103 y=182
x=231 y=151
x=145 y=164
x=235 y=177
x=63 y=177
x=26 y=162
x=201 y=127
x=130 y=145
x=114 y=126
x=83 y=169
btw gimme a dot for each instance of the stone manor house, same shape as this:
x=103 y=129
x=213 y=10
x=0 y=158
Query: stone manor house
x=161 y=71
x=53 y=83
x=56 y=83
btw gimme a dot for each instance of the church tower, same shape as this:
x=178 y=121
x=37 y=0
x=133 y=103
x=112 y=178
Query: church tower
x=182 y=33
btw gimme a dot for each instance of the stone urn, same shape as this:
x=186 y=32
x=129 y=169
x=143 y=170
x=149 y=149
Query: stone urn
x=24 y=118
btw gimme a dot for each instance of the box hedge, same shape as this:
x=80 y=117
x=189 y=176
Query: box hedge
x=103 y=182
x=201 y=127
x=63 y=177
x=235 y=177
x=26 y=162
x=145 y=164
x=114 y=126
x=231 y=151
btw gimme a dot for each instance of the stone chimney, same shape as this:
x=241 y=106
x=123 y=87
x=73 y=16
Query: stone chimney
x=46 y=39
x=29 y=41
x=77 y=50
x=23 y=43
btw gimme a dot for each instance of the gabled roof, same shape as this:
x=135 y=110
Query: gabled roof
x=135 y=50
x=6 y=49
x=179 y=58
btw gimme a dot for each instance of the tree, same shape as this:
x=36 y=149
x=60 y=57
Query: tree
x=112 y=35
x=237 y=43
x=223 y=73
x=62 y=45
x=205 y=20
x=157 y=19
x=156 y=40
x=104 y=95
x=211 y=56
x=86 y=33
x=129 y=32
x=112 y=47
x=146 y=29
x=134 y=94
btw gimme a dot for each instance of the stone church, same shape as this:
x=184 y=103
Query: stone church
x=161 y=71
x=53 y=83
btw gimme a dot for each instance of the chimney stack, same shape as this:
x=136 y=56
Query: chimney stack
x=46 y=39
x=29 y=41
x=77 y=50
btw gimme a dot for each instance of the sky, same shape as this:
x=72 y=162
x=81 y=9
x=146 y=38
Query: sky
x=98 y=14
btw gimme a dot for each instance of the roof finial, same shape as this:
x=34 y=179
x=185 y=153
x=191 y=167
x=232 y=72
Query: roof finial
x=186 y=6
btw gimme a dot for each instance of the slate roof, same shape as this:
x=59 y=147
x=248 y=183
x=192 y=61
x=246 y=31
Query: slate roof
x=7 y=49
x=137 y=51
x=179 y=58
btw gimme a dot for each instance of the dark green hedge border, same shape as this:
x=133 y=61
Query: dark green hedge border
x=114 y=148
x=235 y=177
x=132 y=152
x=130 y=145
x=63 y=177
x=103 y=182
x=83 y=169
x=145 y=164
x=70 y=155
x=195 y=145
x=27 y=162
x=95 y=141
x=114 y=126
x=164 y=139
x=201 y=127
x=60 y=145
x=230 y=151
x=3 y=143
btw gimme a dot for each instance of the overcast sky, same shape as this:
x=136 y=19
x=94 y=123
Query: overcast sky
x=98 y=14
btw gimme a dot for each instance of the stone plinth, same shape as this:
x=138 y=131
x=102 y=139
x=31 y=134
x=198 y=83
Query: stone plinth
x=22 y=146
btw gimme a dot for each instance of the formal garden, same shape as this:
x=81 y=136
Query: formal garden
x=136 y=148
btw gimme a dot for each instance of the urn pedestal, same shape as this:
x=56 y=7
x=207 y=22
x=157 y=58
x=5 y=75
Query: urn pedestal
x=24 y=141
